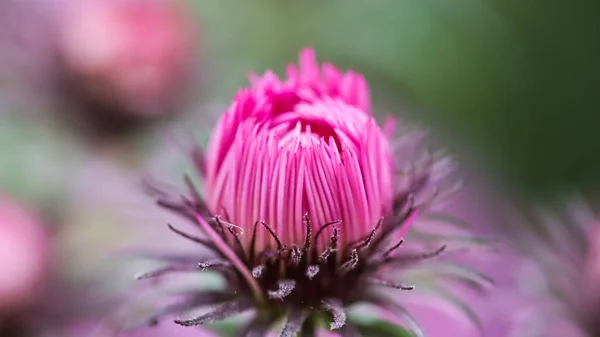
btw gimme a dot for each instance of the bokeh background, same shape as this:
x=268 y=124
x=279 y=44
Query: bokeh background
x=510 y=87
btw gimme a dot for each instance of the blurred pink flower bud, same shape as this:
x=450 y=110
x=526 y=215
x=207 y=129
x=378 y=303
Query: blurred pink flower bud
x=131 y=57
x=23 y=256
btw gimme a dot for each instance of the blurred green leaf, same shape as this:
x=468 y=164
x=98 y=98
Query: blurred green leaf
x=377 y=328
x=517 y=83
x=227 y=328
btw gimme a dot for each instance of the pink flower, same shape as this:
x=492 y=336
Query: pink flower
x=559 y=241
x=307 y=144
x=304 y=205
x=593 y=262
x=23 y=254
x=127 y=59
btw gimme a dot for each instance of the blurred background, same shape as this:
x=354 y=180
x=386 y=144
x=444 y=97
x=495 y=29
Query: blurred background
x=96 y=94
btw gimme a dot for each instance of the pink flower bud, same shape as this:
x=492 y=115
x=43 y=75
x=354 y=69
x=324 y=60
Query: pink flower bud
x=306 y=144
x=23 y=254
x=305 y=204
x=130 y=54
